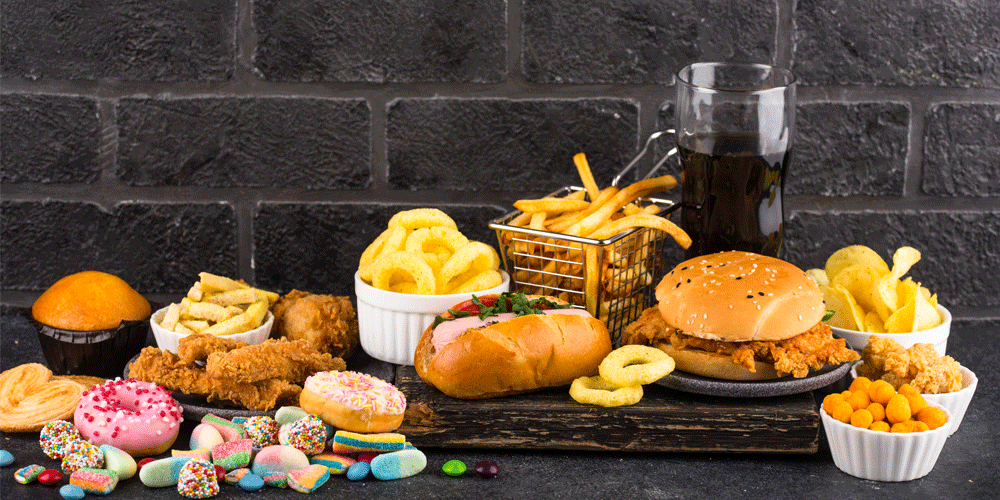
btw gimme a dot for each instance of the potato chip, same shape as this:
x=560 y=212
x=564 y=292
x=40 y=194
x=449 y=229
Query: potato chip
x=925 y=313
x=854 y=255
x=859 y=280
x=847 y=314
x=873 y=323
x=819 y=276
x=901 y=321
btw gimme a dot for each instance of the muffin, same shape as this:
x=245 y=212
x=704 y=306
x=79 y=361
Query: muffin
x=91 y=323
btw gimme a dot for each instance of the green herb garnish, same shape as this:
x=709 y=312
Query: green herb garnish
x=829 y=314
x=514 y=302
x=454 y=315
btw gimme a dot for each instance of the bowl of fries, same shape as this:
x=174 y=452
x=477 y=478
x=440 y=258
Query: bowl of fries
x=219 y=306
x=391 y=323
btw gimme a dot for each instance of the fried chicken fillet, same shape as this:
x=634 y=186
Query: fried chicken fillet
x=290 y=360
x=813 y=348
x=198 y=346
x=167 y=369
x=327 y=322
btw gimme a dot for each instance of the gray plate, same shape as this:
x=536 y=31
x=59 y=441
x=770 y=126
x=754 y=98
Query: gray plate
x=196 y=406
x=697 y=384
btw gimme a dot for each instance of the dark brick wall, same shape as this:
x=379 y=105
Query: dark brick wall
x=272 y=139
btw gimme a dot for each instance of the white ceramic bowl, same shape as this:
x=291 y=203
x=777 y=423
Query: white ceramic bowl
x=391 y=323
x=884 y=456
x=168 y=340
x=955 y=402
x=937 y=335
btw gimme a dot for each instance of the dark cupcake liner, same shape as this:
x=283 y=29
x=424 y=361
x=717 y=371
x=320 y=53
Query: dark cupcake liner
x=100 y=353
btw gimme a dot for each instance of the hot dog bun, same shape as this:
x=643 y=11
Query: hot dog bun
x=522 y=354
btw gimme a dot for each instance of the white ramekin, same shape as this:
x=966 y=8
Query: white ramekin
x=168 y=340
x=884 y=456
x=937 y=335
x=391 y=323
x=955 y=402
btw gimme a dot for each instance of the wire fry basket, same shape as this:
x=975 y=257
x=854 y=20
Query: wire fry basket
x=613 y=278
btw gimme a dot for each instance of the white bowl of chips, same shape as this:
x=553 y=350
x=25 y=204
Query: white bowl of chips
x=884 y=456
x=938 y=335
x=391 y=323
x=956 y=403
x=169 y=340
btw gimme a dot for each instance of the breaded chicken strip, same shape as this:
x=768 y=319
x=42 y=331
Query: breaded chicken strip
x=198 y=346
x=291 y=360
x=166 y=368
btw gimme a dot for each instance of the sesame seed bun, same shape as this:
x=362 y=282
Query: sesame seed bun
x=739 y=297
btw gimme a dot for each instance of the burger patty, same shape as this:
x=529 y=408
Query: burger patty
x=813 y=348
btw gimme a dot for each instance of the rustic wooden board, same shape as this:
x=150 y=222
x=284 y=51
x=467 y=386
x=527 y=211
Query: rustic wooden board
x=665 y=420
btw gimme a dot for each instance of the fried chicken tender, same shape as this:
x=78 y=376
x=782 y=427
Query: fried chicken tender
x=290 y=360
x=198 y=346
x=327 y=322
x=166 y=368
x=920 y=366
x=813 y=348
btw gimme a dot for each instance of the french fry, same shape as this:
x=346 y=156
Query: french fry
x=181 y=329
x=233 y=297
x=204 y=310
x=215 y=283
x=195 y=325
x=586 y=176
x=606 y=194
x=551 y=205
x=172 y=316
x=643 y=220
x=236 y=324
x=195 y=293
x=631 y=192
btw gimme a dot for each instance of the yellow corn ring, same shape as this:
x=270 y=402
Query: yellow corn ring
x=394 y=241
x=422 y=217
x=385 y=272
x=435 y=240
x=482 y=281
x=475 y=256
x=597 y=391
x=635 y=365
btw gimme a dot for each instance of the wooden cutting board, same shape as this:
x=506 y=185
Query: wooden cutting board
x=665 y=420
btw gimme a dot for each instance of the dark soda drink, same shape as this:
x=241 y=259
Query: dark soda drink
x=732 y=194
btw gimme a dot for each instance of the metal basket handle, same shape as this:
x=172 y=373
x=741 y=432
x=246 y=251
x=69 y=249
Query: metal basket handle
x=631 y=165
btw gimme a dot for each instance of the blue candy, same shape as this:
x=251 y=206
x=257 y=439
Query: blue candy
x=6 y=458
x=72 y=492
x=358 y=471
x=251 y=482
x=398 y=464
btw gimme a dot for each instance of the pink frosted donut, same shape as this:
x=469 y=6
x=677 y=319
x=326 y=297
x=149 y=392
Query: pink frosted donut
x=353 y=401
x=137 y=417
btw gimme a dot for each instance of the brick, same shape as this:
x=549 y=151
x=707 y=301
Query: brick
x=316 y=247
x=962 y=150
x=958 y=248
x=638 y=41
x=913 y=43
x=381 y=42
x=245 y=142
x=501 y=144
x=158 y=248
x=154 y=40
x=49 y=139
x=849 y=149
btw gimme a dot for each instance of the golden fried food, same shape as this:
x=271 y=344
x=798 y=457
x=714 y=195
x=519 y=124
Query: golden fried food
x=30 y=397
x=166 y=368
x=920 y=366
x=327 y=322
x=198 y=346
x=290 y=360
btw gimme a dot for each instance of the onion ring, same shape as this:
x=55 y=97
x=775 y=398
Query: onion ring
x=597 y=391
x=635 y=365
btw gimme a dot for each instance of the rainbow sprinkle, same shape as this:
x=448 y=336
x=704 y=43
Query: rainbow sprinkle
x=197 y=479
x=359 y=391
x=55 y=436
x=307 y=435
x=81 y=454
x=262 y=429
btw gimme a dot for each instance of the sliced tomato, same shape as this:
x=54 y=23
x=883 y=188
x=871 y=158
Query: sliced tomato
x=469 y=306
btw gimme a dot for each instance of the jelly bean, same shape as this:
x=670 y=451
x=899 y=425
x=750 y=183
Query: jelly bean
x=119 y=461
x=205 y=436
x=358 y=471
x=366 y=458
x=454 y=468
x=251 y=482
x=288 y=414
x=72 y=492
x=220 y=473
x=487 y=469
x=162 y=472
x=278 y=458
x=144 y=462
x=49 y=477
x=6 y=458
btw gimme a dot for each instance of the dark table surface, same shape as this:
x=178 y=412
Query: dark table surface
x=967 y=468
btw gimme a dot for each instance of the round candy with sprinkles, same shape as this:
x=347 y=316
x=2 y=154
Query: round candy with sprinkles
x=307 y=435
x=54 y=437
x=81 y=454
x=197 y=479
x=262 y=430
